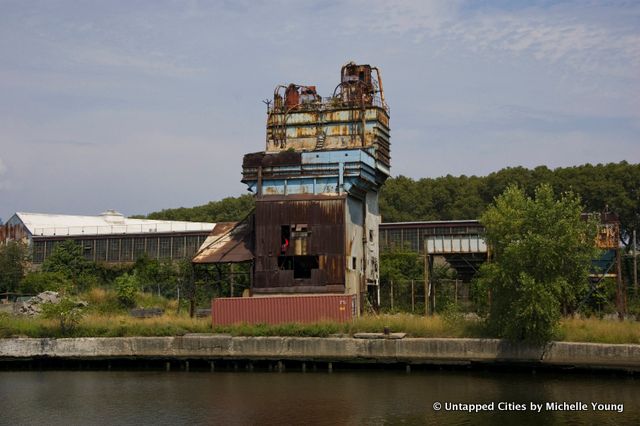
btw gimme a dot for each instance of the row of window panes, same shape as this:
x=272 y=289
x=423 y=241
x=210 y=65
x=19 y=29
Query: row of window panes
x=127 y=249
x=409 y=238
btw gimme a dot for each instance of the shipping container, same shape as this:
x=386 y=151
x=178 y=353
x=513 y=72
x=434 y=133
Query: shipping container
x=283 y=309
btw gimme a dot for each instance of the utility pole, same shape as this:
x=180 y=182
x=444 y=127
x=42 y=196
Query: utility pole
x=413 y=297
x=635 y=264
x=621 y=297
x=231 y=279
x=427 y=280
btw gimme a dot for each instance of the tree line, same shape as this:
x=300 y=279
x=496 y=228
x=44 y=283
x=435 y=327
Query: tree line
x=612 y=186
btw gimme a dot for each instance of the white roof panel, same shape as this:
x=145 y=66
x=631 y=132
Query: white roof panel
x=109 y=222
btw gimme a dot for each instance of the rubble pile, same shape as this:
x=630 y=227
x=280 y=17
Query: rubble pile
x=33 y=306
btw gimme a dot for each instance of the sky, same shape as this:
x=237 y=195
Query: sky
x=143 y=105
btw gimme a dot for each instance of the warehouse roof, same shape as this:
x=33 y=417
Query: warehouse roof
x=109 y=222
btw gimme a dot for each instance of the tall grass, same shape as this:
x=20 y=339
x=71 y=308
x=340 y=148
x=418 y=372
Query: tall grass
x=417 y=326
x=106 y=302
x=599 y=331
x=96 y=324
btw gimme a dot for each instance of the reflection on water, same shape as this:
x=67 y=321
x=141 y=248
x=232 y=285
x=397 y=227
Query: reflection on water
x=352 y=398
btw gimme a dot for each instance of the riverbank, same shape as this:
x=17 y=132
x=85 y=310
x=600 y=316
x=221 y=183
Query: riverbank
x=591 y=330
x=407 y=351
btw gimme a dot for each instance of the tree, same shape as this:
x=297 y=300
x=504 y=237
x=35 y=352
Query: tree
x=398 y=268
x=542 y=252
x=67 y=258
x=37 y=282
x=615 y=186
x=227 y=209
x=159 y=276
x=13 y=261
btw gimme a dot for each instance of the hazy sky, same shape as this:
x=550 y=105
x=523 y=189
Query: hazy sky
x=143 y=105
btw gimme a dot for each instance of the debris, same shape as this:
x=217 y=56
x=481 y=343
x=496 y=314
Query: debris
x=33 y=306
x=146 y=312
x=379 y=335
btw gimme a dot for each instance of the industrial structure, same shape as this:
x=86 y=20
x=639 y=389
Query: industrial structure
x=109 y=237
x=461 y=244
x=315 y=226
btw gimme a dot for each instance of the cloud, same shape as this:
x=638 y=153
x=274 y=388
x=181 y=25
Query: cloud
x=586 y=37
x=148 y=63
x=584 y=46
x=69 y=142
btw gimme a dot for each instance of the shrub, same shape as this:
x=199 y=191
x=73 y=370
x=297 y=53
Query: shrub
x=37 y=282
x=126 y=288
x=68 y=312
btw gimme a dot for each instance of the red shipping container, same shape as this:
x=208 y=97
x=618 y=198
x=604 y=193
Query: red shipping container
x=282 y=309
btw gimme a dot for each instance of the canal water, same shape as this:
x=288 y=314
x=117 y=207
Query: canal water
x=316 y=398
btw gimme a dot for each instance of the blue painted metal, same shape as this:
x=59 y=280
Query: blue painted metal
x=351 y=171
x=604 y=262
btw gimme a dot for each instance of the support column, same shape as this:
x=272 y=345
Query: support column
x=621 y=294
x=635 y=264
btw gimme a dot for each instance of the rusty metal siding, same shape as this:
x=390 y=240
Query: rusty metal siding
x=356 y=116
x=336 y=127
x=229 y=242
x=16 y=232
x=324 y=218
x=282 y=309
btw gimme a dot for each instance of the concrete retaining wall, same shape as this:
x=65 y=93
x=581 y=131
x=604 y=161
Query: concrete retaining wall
x=408 y=350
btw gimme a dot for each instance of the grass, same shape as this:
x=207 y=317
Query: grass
x=106 y=318
x=105 y=302
x=417 y=326
x=119 y=325
x=599 y=331
x=96 y=325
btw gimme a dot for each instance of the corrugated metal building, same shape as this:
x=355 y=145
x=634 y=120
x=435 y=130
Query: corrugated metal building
x=109 y=237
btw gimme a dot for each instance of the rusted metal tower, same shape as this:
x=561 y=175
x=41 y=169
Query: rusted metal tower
x=316 y=186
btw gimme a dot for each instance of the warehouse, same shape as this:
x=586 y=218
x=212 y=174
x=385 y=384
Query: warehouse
x=109 y=237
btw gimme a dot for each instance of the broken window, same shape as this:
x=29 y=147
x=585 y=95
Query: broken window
x=299 y=239
x=294 y=237
x=301 y=265
x=285 y=238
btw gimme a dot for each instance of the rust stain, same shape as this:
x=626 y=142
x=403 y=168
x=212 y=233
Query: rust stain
x=15 y=232
x=324 y=219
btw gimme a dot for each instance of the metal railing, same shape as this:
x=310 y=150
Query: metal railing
x=122 y=229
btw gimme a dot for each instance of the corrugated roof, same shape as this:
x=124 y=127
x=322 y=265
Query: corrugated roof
x=229 y=242
x=109 y=222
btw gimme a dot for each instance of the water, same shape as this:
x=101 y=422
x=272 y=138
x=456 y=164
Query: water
x=313 y=398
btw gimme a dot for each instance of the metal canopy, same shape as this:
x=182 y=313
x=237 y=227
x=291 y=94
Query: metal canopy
x=229 y=242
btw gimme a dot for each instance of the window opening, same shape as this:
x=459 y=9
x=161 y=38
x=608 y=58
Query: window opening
x=301 y=265
x=285 y=238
